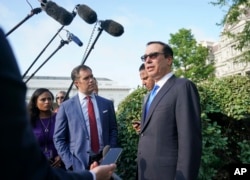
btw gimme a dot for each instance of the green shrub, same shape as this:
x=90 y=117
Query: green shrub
x=129 y=110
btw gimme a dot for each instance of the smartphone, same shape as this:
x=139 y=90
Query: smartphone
x=112 y=156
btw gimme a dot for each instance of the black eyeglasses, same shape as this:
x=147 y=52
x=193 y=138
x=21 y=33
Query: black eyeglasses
x=151 y=56
x=60 y=97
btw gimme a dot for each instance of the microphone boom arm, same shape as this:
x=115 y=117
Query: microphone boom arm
x=42 y=52
x=59 y=47
x=33 y=11
x=84 y=59
x=73 y=14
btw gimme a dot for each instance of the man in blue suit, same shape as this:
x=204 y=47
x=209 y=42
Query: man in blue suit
x=170 y=140
x=72 y=136
x=22 y=157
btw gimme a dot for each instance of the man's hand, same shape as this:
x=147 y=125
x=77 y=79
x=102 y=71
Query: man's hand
x=57 y=162
x=103 y=172
x=137 y=126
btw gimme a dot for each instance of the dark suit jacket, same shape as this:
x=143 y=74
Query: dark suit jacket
x=21 y=157
x=170 y=139
x=71 y=136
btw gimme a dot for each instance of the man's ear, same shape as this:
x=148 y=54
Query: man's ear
x=170 y=60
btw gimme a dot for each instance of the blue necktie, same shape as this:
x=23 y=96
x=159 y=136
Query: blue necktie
x=151 y=97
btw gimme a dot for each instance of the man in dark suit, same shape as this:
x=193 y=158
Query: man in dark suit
x=21 y=156
x=170 y=140
x=73 y=135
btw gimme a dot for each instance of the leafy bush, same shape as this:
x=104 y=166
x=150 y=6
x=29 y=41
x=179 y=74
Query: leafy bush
x=129 y=110
x=212 y=143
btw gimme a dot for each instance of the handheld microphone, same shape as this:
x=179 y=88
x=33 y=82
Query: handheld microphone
x=72 y=37
x=86 y=13
x=112 y=27
x=56 y=12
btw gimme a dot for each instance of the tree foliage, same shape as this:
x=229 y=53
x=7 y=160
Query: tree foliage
x=190 y=58
x=237 y=12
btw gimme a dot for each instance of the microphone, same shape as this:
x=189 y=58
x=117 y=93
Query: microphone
x=56 y=12
x=72 y=37
x=112 y=27
x=86 y=13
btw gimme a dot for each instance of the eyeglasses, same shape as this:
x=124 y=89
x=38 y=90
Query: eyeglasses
x=151 y=56
x=60 y=97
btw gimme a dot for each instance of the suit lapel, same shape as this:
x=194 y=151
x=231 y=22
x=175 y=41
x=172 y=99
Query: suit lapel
x=145 y=99
x=76 y=104
x=166 y=87
x=100 y=108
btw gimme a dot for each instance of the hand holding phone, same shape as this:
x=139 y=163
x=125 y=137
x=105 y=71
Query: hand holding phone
x=137 y=126
x=136 y=123
x=112 y=156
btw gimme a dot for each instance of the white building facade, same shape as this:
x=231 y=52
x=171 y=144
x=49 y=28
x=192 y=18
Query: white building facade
x=225 y=56
x=107 y=88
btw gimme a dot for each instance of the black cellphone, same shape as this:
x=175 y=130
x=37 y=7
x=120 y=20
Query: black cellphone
x=112 y=156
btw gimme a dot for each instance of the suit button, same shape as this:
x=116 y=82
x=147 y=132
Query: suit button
x=142 y=134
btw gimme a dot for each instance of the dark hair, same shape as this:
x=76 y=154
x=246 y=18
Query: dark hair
x=142 y=67
x=32 y=108
x=76 y=70
x=166 y=48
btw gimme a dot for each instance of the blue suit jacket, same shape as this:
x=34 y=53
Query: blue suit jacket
x=71 y=137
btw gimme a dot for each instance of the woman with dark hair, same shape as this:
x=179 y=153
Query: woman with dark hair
x=42 y=120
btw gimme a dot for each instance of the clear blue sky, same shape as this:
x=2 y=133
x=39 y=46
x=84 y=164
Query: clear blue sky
x=116 y=58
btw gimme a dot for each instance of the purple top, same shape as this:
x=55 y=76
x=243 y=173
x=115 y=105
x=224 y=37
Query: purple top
x=44 y=130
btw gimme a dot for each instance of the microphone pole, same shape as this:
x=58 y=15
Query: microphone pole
x=84 y=60
x=42 y=52
x=33 y=11
x=59 y=47
x=73 y=14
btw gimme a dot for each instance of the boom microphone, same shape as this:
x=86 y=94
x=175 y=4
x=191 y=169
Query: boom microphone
x=86 y=13
x=112 y=27
x=72 y=37
x=56 y=12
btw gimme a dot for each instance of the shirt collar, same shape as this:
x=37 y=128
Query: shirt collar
x=164 y=79
x=83 y=96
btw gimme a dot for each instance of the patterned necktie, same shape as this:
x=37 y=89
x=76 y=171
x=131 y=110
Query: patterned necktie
x=93 y=127
x=151 y=97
